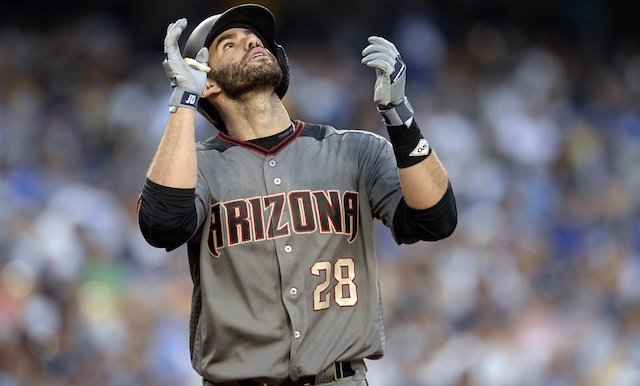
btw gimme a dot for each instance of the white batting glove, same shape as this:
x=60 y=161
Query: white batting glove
x=188 y=76
x=391 y=75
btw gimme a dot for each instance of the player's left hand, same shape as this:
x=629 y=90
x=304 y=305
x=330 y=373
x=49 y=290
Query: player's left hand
x=383 y=56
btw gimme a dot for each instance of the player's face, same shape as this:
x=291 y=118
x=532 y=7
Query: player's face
x=241 y=63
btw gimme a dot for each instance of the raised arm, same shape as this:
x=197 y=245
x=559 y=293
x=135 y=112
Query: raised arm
x=174 y=164
x=423 y=179
x=166 y=210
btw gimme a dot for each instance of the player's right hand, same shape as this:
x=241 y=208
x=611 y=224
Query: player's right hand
x=185 y=77
x=391 y=72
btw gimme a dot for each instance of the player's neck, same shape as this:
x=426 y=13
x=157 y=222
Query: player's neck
x=256 y=116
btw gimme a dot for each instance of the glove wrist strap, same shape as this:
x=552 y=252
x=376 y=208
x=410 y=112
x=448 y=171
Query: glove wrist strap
x=183 y=98
x=409 y=145
x=401 y=114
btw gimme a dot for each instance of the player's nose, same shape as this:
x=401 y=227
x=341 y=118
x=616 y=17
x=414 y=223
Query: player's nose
x=252 y=41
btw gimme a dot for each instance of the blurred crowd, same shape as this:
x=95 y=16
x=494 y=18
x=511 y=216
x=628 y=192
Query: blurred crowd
x=538 y=286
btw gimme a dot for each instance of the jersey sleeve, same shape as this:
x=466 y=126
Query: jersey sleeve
x=202 y=198
x=380 y=173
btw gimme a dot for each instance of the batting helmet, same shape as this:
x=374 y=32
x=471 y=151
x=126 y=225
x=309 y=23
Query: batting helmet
x=254 y=16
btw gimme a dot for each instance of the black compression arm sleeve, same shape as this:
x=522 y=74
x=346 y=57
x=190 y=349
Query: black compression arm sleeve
x=167 y=216
x=435 y=223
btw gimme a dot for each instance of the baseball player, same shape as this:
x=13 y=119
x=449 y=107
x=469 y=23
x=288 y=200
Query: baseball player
x=277 y=214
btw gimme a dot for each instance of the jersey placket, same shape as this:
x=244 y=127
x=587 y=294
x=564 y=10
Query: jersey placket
x=291 y=284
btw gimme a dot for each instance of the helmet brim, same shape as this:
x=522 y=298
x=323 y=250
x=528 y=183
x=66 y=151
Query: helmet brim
x=253 y=15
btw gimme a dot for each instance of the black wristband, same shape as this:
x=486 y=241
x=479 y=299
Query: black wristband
x=409 y=146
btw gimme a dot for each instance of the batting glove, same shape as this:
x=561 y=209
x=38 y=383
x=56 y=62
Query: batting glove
x=391 y=76
x=188 y=76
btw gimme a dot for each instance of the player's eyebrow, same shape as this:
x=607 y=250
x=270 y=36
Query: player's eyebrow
x=225 y=36
x=231 y=35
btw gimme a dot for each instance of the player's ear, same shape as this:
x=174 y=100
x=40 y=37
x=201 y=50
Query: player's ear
x=211 y=88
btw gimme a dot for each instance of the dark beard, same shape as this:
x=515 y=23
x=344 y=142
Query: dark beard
x=238 y=78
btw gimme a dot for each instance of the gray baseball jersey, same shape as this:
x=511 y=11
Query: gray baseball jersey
x=283 y=263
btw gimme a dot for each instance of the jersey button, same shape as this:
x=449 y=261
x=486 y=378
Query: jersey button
x=272 y=163
x=277 y=181
x=296 y=334
x=287 y=248
x=293 y=291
